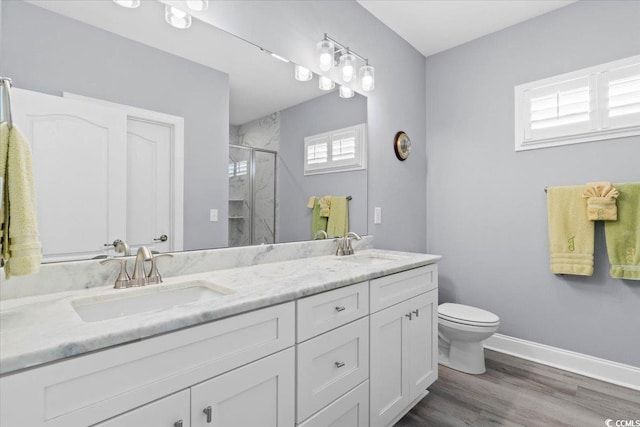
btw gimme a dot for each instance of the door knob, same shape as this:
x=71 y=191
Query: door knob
x=416 y=312
x=177 y=423
x=409 y=315
x=162 y=238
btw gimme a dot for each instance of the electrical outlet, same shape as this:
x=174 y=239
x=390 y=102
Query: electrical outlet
x=377 y=216
x=213 y=215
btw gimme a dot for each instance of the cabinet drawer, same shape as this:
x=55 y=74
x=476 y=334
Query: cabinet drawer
x=321 y=313
x=330 y=365
x=351 y=410
x=389 y=290
x=170 y=411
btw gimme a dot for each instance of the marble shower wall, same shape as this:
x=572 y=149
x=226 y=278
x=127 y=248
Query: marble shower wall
x=263 y=133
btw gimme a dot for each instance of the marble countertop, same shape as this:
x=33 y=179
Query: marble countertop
x=46 y=328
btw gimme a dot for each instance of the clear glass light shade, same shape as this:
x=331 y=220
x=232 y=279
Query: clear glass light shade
x=347 y=66
x=131 y=4
x=197 y=5
x=367 y=78
x=326 y=83
x=303 y=74
x=177 y=18
x=325 y=55
x=346 y=92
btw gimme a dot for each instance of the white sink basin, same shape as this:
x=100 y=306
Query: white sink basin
x=126 y=302
x=371 y=259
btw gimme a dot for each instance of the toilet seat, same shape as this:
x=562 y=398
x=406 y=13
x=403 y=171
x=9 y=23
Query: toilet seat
x=466 y=315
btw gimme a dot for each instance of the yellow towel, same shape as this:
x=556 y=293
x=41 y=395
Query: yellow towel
x=20 y=244
x=623 y=235
x=338 y=225
x=311 y=202
x=570 y=232
x=325 y=206
x=317 y=222
x=601 y=201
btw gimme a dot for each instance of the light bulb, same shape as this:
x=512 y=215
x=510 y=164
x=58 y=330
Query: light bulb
x=177 y=18
x=325 y=55
x=303 y=74
x=198 y=5
x=367 y=78
x=325 y=83
x=129 y=4
x=346 y=92
x=347 y=64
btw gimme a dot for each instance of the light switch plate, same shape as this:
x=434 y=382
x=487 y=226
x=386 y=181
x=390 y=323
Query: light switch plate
x=377 y=216
x=213 y=215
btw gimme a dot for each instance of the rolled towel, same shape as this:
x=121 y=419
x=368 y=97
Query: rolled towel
x=601 y=201
x=325 y=206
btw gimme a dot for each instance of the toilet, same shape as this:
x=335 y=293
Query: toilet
x=461 y=330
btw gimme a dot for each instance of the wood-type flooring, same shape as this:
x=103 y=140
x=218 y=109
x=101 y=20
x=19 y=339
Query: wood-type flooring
x=517 y=392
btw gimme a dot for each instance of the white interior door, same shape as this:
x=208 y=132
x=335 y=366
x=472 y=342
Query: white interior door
x=149 y=195
x=79 y=158
x=155 y=171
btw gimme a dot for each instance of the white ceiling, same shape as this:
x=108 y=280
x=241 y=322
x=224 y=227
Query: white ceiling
x=260 y=84
x=432 y=26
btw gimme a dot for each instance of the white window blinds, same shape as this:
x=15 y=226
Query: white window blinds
x=597 y=103
x=335 y=151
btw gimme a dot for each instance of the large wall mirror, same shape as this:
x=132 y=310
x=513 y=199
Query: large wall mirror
x=214 y=128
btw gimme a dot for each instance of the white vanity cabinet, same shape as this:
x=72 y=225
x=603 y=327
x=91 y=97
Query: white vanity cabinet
x=93 y=388
x=404 y=342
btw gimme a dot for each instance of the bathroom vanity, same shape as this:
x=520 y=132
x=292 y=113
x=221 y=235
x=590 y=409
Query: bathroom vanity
x=320 y=341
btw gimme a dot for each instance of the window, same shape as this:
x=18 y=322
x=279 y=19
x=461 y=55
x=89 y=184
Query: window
x=596 y=103
x=336 y=151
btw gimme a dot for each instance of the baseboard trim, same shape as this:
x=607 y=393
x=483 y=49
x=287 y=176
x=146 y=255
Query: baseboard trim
x=593 y=367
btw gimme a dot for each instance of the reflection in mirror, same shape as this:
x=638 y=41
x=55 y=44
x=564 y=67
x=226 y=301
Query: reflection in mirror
x=231 y=101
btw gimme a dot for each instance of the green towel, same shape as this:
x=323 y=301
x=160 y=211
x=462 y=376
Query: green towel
x=338 y=225
x=623 y=235
x=317 y=222
x=570 y=231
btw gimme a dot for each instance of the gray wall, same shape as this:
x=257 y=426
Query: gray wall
x=486 y=210
x=46 y=52
x=292 y=29
x=322 y=114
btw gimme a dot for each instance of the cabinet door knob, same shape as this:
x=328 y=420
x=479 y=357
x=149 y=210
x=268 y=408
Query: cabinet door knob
x=339 y=364
x=177 y=423
x=339 y=309
x=162 y=238
x=207 y=411
x=409 y=315
x=416 y=312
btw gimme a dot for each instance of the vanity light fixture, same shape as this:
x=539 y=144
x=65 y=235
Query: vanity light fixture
x=197 y=5
x=346 y=92
x=302 y=74
x=177 y=18
x=325 y=83
x=331 y=53
x=129 y=4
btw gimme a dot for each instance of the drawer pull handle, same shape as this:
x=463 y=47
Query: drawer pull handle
x=416 y=312
x=339 y=364
x=177 y=423
x=207 y=411
x=409 y=315
x=339 y=309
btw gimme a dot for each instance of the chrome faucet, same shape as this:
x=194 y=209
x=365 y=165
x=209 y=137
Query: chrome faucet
x=322 y=233
x=140 y=276
x=344 y=244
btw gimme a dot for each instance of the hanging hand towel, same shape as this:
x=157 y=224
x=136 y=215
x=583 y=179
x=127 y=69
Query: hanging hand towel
x=570 y=232
x=338 y=225
x=623 y=235
x=20 y=244
x=601 y=201
x=317 y=222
